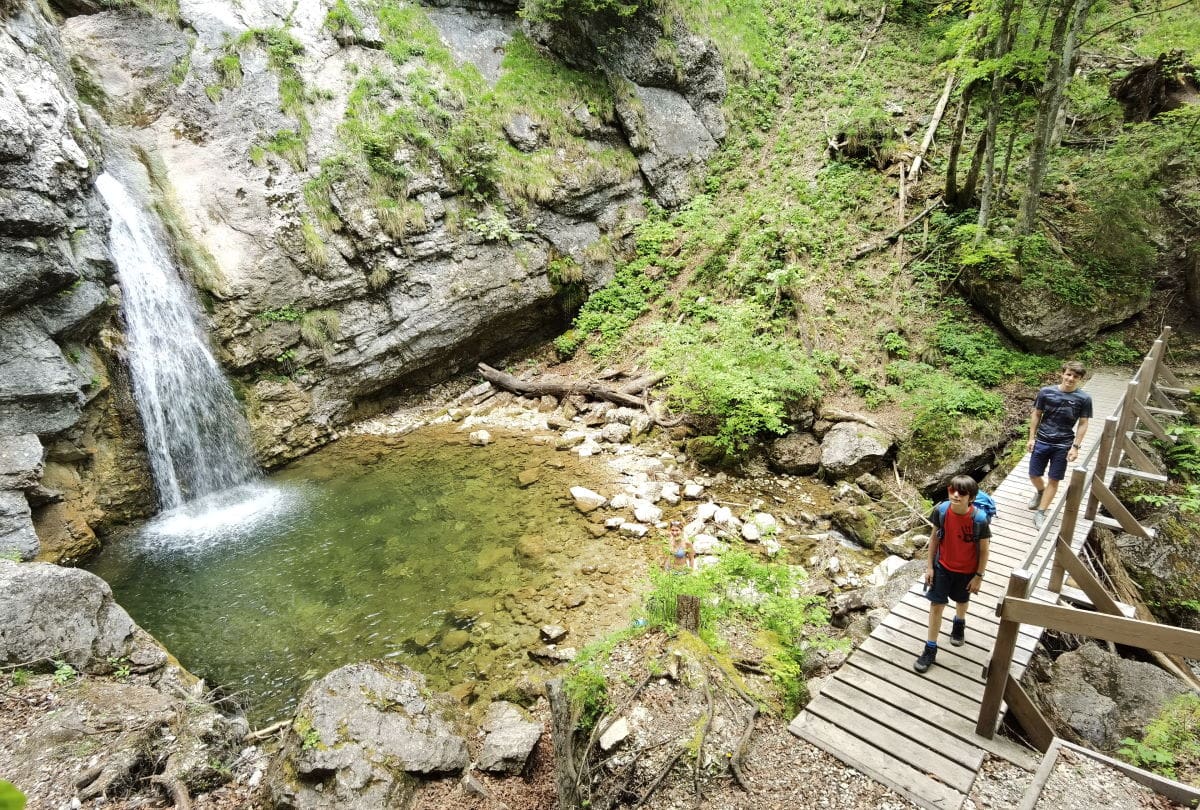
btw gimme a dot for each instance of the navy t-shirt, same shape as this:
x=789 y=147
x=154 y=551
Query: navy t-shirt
x=1060 y=411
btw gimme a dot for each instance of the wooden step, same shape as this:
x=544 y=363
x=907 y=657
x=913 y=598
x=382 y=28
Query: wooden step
x=1112 y=523
x=1133 y=472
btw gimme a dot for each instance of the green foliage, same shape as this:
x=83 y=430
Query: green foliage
x=19 y=677
x=763 y=593
x=283 y=57
x=341 y=17
x=320 y=328
x=587 y=688
x=979 y=355
x=289 y=145
x=732 y=365
x=64 y=673
x=554 y=10
x=1111 y=351
x=314 y=244
x=943 y=408
x=122 y=669
x=288 y=314
x=471 y=158
x=10 y=797
x=493 y=228
x=1170 y=744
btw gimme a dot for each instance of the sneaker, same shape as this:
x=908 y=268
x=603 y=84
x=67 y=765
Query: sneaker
x=1039 y=519
x=958 y=633
x=1036 y=500
x=926 y=658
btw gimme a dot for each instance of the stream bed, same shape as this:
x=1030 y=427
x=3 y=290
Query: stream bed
x=420 y=549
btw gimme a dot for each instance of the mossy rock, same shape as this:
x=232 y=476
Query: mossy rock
x=708 y=451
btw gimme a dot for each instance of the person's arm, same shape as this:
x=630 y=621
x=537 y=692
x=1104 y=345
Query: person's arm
x=1080 y=432
x=934 y=543
x=985 y=546
x=1034 y=420
x=691 y=555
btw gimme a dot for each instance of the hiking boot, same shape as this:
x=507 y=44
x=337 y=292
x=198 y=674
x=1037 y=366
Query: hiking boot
x=958 y=633
x=1039 y=519
x=925 y=659
x=1036 y=500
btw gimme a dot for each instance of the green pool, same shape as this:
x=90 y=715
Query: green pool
x=421 y=549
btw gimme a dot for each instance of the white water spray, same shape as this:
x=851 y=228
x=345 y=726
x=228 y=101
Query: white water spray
x=196 y=435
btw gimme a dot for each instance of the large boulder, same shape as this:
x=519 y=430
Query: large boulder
x=50 y=614
x=795 y=454
x=852 y=448
x=509 y=738
x=1099 y=698
x=361 y=737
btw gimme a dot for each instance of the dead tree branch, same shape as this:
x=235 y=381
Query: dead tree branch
x=894 y=235
x=870 y=36
x=938 y=111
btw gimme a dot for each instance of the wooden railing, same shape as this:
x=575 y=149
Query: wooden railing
x=1145 y=399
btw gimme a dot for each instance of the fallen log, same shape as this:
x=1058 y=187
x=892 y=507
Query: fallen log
x=557 y=387
x=894 y=235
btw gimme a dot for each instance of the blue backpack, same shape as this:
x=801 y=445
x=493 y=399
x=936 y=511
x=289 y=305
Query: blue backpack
x=985 y=510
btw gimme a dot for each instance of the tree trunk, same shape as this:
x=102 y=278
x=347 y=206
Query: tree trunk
x=562 y=733
x=687 y=612
x=1004 y=39
x=952 y=194
x=1068 y=25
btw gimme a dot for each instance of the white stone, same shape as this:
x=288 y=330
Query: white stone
x=650 y=491
x=614 y=734
x=613 y=522
x=765 y=522
x=834 y=565
x=706 y=560
x=634 y=529
x=646 y=512
x=480 y=438
x=707 y=544
x=670 y=493
x=884 y=571
x=750 y=533
x=705 y=511
x=724 y=517
x=693 y=529
x=693 y=492
x=771 y=546
x=586 y=500
x=588 y=448
x=620 y=501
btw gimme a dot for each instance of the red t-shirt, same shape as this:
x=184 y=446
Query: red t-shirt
x=959 y=552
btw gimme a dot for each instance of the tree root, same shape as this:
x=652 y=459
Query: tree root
x=662 y=774
x=177 y=790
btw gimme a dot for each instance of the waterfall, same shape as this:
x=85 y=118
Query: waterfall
x=196 y=435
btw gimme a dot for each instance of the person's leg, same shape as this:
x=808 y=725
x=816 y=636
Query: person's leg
x=1037 y=468
x=1048 y=493
x=935 y=621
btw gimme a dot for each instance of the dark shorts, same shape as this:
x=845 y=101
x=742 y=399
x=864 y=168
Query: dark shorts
x=948 y=585
x=1044 y=454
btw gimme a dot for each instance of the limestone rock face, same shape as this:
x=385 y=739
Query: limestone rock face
x=54 y=269
x=670 y=108
x=361 y=735
x=1044 y=322
x=850 y=449
x=51 y=613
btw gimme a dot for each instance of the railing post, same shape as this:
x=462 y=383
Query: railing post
x=1001 y=660
x=1066 y=529
x=1108 y=437
x=1125 y=423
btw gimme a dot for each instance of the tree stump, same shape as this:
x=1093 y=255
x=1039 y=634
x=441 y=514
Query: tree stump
x=562 y=733
x=687 y=612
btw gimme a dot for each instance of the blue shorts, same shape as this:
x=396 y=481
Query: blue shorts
x=949 y=585
x=1055 y=456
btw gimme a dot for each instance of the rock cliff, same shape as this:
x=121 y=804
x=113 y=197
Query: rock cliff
x=371 y=196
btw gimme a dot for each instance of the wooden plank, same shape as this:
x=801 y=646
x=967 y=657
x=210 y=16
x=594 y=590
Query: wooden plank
x=923 y=729
x=1132 y=472
x=1131 y=632
x=910 y=693
x=1118 y=511
x=1027 y=713
x=1006 y=642
x=905 y=678
x=1107 y=522
x=918 y=757
x=921 y=789
x=946 y=678
x=1087 y=581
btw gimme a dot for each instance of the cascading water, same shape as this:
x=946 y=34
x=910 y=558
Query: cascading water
x=196 y=435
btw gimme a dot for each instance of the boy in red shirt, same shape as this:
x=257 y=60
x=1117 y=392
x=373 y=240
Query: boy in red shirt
x=958 y=553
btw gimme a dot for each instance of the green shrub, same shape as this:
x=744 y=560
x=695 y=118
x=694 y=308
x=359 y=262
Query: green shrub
x=319 y=328
x=566 y=9
x=979 y=355
x=733 y=367
x=10 y=797
x=1171 y=743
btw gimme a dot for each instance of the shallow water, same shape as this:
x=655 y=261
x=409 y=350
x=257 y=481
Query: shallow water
x=400 y=548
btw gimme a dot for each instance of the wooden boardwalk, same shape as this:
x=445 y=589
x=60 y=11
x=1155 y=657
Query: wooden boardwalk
x=916 y=733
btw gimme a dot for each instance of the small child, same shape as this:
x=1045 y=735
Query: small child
x=681 y=554
x=958 y=554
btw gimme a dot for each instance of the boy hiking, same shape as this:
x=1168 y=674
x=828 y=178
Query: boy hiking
x=1053 y=438
x=958 y=554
